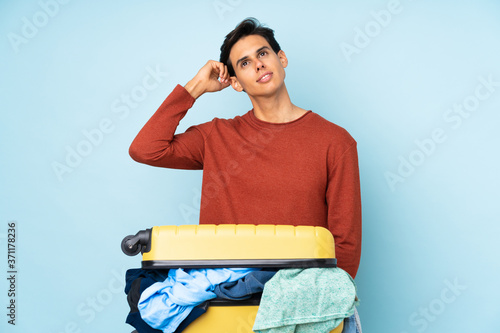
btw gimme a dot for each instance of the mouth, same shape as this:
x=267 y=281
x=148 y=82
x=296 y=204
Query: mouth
x=265 y=77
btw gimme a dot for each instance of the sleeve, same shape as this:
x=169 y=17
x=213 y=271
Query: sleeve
x=344 y=209
x=158 y=145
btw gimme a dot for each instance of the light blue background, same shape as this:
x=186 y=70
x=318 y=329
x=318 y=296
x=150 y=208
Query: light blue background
x=439 y=227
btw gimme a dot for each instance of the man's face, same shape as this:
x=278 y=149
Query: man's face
x=259 y=71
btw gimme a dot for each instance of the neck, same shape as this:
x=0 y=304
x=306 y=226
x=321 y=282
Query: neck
x=277 y=108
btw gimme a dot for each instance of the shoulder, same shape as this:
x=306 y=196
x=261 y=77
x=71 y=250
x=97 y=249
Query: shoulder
x=330 y=131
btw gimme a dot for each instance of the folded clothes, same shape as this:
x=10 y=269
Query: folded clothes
x=164 y=305
x=306 y=301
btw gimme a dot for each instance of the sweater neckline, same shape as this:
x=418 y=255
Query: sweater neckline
x=261 y=123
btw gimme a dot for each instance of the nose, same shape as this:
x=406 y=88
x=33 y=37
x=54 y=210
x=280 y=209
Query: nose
x=259 y=65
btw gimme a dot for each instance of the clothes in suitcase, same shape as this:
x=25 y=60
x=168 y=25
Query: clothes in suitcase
x=268 y=247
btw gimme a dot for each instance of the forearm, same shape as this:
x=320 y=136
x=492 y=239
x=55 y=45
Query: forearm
x=194 y=88
x=156 y=143
x=344 y=211
x=348 y=245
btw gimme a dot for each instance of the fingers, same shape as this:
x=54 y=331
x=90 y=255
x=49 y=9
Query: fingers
x=213 y=76
x=223 y=73
x=225 y=84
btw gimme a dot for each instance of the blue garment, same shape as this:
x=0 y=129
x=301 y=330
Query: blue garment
x=244 y=287
x=193 y=315
x=140 y=325
x=352 y=324
x=134 y=273
x=137 y=280
x=135 y=288
x=164 y=305
x=134 y=319
x=134 y=293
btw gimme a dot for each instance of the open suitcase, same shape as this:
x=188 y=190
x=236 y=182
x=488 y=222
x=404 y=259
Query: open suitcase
x=232 y=246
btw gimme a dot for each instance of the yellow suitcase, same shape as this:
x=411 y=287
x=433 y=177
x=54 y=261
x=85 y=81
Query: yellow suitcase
x=232 y=246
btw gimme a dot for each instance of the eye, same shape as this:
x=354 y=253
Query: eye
x=263 y=53
x=244 y=63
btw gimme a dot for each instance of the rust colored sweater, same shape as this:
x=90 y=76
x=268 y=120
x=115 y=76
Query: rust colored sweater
x=303 y=172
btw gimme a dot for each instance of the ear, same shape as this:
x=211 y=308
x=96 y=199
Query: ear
x=235 y=84
x=283 y=58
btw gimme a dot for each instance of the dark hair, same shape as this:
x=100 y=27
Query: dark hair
x=247 y=27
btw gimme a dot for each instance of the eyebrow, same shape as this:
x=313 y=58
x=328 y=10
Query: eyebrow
x=256 y=52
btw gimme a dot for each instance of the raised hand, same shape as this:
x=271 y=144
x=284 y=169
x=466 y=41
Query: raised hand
x=213 y=76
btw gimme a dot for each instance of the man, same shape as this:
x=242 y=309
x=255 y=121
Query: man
x=276 y=164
